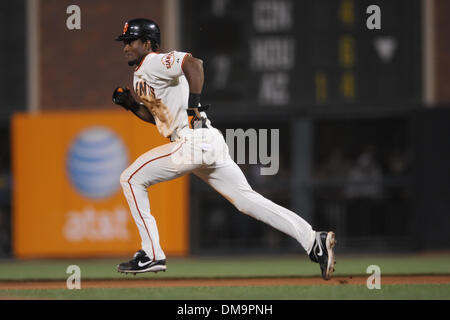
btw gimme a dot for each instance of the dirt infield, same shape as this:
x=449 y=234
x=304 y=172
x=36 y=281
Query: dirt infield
x=131 y=282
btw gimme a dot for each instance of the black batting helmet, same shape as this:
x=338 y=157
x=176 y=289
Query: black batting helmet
x=144 y=29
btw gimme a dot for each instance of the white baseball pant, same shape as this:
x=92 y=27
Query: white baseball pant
x=203 y=152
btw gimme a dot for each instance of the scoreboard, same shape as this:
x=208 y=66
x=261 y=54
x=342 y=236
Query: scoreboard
x=13 y=59
x=300 y=54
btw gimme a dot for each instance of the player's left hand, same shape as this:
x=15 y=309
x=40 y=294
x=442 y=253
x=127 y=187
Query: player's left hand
x=122 y=96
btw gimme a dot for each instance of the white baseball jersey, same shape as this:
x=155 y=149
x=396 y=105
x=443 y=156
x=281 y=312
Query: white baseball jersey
x=164 y=74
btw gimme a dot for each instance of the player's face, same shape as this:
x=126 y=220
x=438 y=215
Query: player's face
x=134 y=50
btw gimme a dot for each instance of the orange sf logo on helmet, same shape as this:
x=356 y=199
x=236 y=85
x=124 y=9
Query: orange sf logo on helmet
x=125 y=27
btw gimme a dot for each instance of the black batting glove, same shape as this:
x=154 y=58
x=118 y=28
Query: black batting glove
x=122 y=97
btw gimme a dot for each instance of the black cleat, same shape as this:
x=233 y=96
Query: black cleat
x=141 y=263
x=322 y=253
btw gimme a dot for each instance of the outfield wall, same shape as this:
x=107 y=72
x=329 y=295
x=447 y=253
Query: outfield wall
x=67 y=199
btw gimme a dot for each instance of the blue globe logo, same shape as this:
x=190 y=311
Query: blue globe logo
x=95 y=161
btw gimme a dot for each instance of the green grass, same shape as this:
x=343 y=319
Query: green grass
x=213 y=267
x=342 y=292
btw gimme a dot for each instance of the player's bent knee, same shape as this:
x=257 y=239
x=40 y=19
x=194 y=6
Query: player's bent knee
x=242 y=206
x=124 y=177
x=246 y=201
x=127 y=180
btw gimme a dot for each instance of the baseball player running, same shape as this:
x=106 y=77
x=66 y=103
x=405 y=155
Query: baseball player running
x=169 y=86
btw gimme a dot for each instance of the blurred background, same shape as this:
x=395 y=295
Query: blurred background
x=362 y=114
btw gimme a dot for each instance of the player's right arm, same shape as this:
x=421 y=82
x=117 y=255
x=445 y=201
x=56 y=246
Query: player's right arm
x=193 y=71
x=124 y=98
